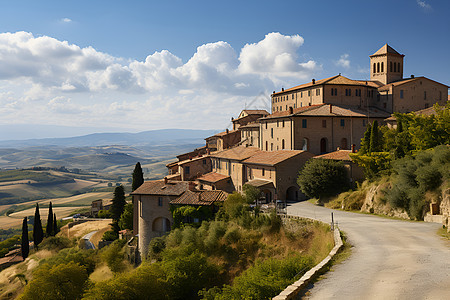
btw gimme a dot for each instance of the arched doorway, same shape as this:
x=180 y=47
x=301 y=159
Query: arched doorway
x=323 y=145
x=292 y=193
x=161 y=225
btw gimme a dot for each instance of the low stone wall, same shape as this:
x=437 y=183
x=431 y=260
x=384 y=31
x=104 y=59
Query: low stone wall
x=294 y=289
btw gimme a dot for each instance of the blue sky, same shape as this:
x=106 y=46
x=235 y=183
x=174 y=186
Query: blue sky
x=142 y=65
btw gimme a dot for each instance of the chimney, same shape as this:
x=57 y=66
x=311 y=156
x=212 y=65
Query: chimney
x=191 y=186
x=227 y=131
x=291 y=110
x=165 y=180
x=412 y=76
x=273 y=92
x=331 y=108
x=314 y=81
x=282 y=89
x=353 y=148
x=190 y=157
x=232 y=119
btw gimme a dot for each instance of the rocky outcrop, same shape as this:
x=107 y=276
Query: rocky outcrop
x=375 y=203
x=445 y=208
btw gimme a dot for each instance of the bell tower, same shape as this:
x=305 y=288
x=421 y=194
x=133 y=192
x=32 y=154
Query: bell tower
x=386 y=65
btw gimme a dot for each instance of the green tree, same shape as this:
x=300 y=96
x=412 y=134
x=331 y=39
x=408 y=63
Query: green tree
x=138 y=177
x=24 y=246
x=118 y=203
x=251 y=193
x=365 y=142
x=323 y=177
x=60 y=282
x=38 y=233
x=49 y=228
x=126 y=219
x=55 y=224
x=375 y=139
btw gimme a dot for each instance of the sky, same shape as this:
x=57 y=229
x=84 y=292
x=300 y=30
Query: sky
x=77 y=67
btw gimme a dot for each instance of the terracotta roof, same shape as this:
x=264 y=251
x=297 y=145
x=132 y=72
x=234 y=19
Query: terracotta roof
x=200 y=197
x=338 y=79
x=336 y=111
x=336 y=155
x=271 y=158
x=260 y=183
x=236 y=153
x=406 y=80
x=425 y=112
x=172 y=164
x=158 y=187
x=223 y=133
x=256 y=111
x=212 y=177
x=193 y=159
x=249 y=125
x=371 y=83
x=386 y=49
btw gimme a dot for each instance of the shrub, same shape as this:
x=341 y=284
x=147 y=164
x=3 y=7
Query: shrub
x=55 y=243
x=84 y=258
x=110 y=235
x=113 y=255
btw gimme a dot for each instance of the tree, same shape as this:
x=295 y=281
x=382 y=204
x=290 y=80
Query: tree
x=252 y=194
x=55 y=224
x=25 y=247
x=323 y=177
x=118 y=203
x=38 y=233
x=49 y=228
x=375 y=139
x=365 y=142
x=138 y=177
x=126 y=219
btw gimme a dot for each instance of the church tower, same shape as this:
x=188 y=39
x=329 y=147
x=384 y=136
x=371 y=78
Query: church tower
x=386 y=65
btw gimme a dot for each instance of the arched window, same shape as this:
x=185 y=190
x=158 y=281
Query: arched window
x=390 y=67
x=305 y=145
x=382 y=67
x=378 y=67
x=282 y=144
x=374 y=68
x=395 y=67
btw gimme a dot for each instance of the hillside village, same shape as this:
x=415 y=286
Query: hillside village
x=324 y=119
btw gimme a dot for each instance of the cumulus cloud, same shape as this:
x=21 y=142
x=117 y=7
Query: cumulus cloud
x=343 y=61
x=66 y=20
x=95 y=84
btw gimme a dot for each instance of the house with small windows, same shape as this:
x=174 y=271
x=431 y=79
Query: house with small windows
x=223 y=140
x=248 y=116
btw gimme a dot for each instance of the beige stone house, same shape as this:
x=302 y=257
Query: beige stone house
x=223 y=140
x=151 y=210
x=319 y=128
x=248 y=116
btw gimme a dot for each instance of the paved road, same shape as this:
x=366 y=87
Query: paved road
x=390 y=260
x=87 y=237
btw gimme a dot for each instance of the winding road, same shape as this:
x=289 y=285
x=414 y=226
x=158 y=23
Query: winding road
x=390 y=259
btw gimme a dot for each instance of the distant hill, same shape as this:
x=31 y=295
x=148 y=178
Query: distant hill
x=145 y=138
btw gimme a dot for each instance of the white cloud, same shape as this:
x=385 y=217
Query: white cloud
x=66 y=20
x=161 y=91
x=423 y=4
x=343 y=61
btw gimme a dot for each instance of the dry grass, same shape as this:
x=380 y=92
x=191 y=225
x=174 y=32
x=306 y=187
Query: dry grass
x=101 y=273
x=84 y=228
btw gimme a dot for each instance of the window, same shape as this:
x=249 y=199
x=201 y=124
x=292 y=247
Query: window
x=187 y=169
x=292 y=96
x=160 y=201
x=425 y=95
x=332 y=92
x=267 y=146
x=301 y=94
x=382 y=67
x=282 y=123
x=390 y=67
x=304 y=123
x=309 y=93
x=266 y=125
x=346 y=92
x=324 y=123
x=263 y=171
x=374 y=68
x=349 y=92
x=271 y=132
x=282 y=144
x=401 y=94
x=342 y=122
x=317 y=92
x=271 y=146
x=278 y=123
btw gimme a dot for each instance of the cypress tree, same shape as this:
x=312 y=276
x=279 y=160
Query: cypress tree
x=38 y=233
x=138 y=177
x=25 y=247
x=118 y=203
x=55 y=224
x=374 y=138
x=49 y=228
x=365 y=143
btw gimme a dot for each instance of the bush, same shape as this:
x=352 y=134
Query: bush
x=110 y=235
x=156 y=246
x=84 y=258
x=55 y=243
x=113 y=255
x=323 y=178
x=63 y=281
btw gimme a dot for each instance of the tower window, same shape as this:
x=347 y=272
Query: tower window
x=382 y=67
x=374 y=68
x=282 y=144
x=342 y=122
x=378 y=67
x=395 y=67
